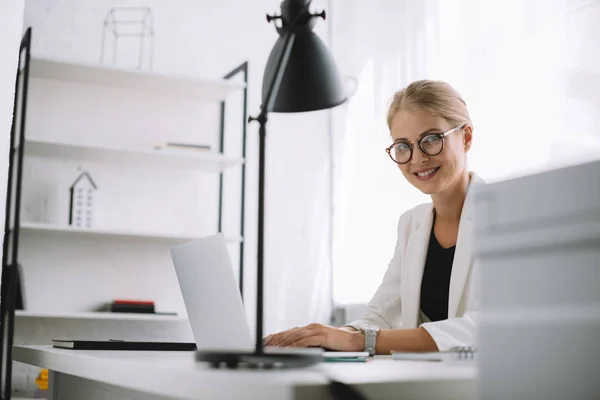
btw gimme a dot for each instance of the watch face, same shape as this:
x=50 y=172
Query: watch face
x=371 y=328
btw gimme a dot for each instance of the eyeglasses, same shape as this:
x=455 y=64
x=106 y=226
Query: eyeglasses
x=401 y=152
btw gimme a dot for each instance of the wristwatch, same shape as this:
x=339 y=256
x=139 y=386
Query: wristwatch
x=370 y=332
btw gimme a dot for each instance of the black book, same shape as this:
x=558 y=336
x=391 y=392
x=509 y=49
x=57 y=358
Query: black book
x=133 y=308
x=122 y=345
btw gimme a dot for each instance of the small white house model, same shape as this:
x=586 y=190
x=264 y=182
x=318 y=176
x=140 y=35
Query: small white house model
x=82 y=201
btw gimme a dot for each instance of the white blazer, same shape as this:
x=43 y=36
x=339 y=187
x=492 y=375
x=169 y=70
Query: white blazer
x=396 y=304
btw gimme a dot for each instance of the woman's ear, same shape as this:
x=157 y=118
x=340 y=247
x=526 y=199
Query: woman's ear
x=467 y=137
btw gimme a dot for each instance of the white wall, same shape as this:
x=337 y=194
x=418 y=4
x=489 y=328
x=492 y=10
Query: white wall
x=11 y=19
x=388 y=47
x=208 y=38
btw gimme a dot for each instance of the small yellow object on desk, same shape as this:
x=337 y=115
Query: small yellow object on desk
x=42 y=380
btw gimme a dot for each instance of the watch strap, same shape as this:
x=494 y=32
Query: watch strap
x=370 y=340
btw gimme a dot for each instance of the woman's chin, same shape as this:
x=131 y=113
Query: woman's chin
x=427 y=190
x=426 y=187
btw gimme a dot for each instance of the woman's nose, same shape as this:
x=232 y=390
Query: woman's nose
x=418 y=156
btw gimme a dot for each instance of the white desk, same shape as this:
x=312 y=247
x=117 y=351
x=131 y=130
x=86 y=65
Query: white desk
x=93 y=375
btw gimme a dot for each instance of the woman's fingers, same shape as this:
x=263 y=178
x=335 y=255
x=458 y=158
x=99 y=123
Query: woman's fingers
x=280 y=337
x=267 y=340
x=313 y=330
x=275 y=339
x=313 y=334
x=311 y=341
x=293 y=336
x=298 y=335
x=316 y=335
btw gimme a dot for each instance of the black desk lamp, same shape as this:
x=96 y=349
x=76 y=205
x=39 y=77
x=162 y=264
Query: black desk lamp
x=300 y=76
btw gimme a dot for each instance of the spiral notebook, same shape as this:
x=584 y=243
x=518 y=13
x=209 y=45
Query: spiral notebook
x=456 y=355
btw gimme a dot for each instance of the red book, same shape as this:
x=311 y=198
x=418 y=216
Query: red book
x=132 y=306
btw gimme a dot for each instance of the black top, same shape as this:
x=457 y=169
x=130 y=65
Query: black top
x=435 y=286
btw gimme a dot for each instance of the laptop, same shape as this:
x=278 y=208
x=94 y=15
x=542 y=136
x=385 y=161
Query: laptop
x=213 y=301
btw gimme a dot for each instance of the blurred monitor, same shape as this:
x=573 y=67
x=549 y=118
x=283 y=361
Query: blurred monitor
x=537 y=242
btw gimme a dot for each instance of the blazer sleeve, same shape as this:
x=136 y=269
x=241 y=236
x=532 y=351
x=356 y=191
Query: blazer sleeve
x=384 y=309
x=460 y=331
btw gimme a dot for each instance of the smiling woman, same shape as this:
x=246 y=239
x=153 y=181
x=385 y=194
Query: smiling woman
x=428 y=112
x=428 y=298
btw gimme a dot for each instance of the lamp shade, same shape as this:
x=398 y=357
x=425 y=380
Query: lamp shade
x=311 y=80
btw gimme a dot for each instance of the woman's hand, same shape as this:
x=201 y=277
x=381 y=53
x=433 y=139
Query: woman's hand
x=317 y=335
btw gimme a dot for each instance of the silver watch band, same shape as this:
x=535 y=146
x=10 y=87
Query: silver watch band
x=370 y=333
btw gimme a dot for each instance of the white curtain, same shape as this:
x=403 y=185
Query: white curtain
x=528 y=70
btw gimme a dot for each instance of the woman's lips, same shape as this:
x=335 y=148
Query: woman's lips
x=427 y=174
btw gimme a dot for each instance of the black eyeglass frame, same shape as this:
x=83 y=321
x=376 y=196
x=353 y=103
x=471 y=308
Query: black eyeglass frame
x=442 y=136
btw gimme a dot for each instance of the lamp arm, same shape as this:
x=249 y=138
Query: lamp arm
x=265 y=107
x=262 y=133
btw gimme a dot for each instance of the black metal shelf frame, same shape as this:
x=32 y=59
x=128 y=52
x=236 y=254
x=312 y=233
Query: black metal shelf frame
x=241 y=69
x=10 y=268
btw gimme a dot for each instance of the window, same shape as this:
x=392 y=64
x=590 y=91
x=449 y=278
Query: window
x=529 y=72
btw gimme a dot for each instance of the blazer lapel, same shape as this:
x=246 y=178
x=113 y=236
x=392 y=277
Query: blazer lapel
x=463 y=257
x=416 y=254
x=461 y=265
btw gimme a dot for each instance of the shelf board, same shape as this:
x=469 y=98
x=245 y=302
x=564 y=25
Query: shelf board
x=98 y=316
x=193 y=159
x=67 y=231
x=175 y=86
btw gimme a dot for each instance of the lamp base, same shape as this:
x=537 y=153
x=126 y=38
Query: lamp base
x=272 y=358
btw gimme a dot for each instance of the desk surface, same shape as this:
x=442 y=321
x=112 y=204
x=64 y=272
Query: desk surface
x=177 y=374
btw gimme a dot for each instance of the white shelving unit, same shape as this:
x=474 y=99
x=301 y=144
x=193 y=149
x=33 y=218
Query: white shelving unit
x=67 y=231
x=67 y=98
x=169 y=158
x=174 y=86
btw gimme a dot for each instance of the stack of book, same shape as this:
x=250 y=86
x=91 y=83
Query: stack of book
x=131 y=306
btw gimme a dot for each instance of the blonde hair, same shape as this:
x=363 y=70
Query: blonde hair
x=437 y=97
